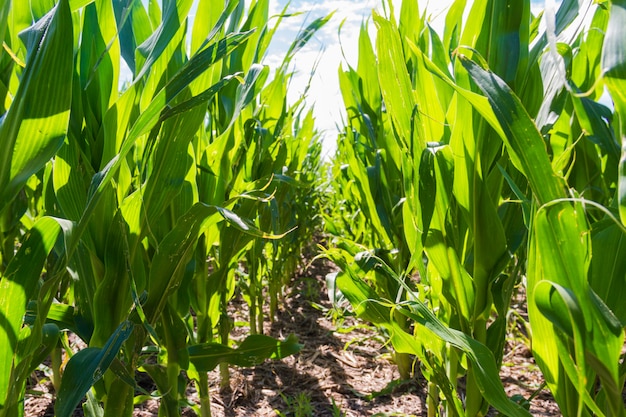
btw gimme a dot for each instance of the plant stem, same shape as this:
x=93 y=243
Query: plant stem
x=56 y=361
x=475 y=401
x=224 y=335
x=432 y=403
x=205 y=397
x=119 y=401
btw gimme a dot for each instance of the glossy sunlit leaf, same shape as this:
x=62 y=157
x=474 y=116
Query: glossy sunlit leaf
x=34 y=126
x=18 y=286
x=614 y=71
x=480 y=356
x=519 y=133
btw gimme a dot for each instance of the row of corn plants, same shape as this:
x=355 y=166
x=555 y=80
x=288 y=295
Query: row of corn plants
x=474 y=160
x=129 y=216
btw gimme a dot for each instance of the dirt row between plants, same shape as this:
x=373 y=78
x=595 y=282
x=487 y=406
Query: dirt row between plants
x=343 y=369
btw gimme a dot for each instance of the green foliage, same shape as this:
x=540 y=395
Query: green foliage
x=465 y=174
x=252 y=351
x=472 y=160
x=127 y=212
x=298 y=406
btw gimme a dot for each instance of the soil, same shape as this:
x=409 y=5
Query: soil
x=343 y=369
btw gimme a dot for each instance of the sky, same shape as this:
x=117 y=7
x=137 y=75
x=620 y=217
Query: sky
x=331 y=49
x=324 y=95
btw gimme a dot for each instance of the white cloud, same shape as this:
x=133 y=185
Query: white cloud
x=324 y=94
x=325 y=50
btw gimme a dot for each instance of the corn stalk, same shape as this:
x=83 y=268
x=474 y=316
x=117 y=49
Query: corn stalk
x=480 y=193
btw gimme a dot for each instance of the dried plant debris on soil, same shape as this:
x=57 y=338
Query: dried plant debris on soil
x=343 y=369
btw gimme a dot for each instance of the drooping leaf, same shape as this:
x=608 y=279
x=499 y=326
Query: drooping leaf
x=85 y=368
x=487 y=374
x=519 y=134
x=252 y=351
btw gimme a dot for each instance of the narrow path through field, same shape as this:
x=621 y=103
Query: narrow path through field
x=342 y=362
x=335 y=370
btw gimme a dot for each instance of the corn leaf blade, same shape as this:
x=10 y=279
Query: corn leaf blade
x=252 y=351
x=33 y=128
x=85 y=368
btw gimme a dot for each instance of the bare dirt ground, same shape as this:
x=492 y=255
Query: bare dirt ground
x=343 y=369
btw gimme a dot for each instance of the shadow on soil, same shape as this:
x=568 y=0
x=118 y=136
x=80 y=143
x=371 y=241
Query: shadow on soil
x=321 y=379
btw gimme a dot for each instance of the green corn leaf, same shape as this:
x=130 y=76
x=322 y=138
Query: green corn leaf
x=410 y=25
x=171 y=163
x=367 y=70
x=188 y=73
x=252 y=351
x=395 y=85
x=366 y=194
x=364 y=300
x=414 y=231
x=69 y=185
x=175 y=251
x=78 y=4
x=428 y=186
x=520 y=134
x=486 y=371
x=560 y=252
x=254 y=49
x=152 y=114
x=4 y=14
x=250 y=88
x=480 y=103
x=246 y=226
x=99 y=60
x=586 y=68
x=614 y=71
x=568 y=12
x=18 y=19
x=174 y=15
x=592 y=117
x=65 y=317
x=509 y=39
x=197 y=100
x=92 y=407
x=134 y=30
x=608 y=267
x=211 y=10
x=453 y=27
x=303 y=38
x=177 y=248
x=18 y=286
x=368 y=306
x=112 y=300
x=561 y=307
x=546 y=353
x=86 y=368
x=34 y=126
x=614 y=56
x=563 y=311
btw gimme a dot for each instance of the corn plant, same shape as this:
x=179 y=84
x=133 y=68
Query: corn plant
x=578 y=335
x=110 y=211
x=470 y=185
x=261 y=154
x=35 y=115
